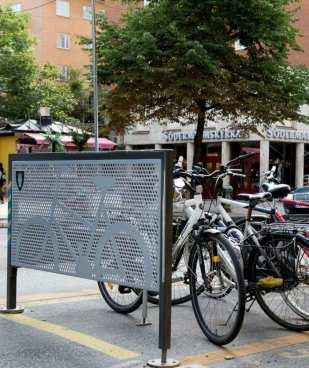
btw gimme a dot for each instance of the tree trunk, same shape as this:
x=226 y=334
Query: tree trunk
x=199 y=131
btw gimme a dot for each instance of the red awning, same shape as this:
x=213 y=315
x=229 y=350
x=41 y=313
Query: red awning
x=38 y=137
x=67 y=140
x=104 y=143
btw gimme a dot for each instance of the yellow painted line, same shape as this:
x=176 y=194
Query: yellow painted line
x=247 y=349
x=52 y=298
x=73 y=336
x=73 y=299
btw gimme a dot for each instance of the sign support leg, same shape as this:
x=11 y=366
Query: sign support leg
x=166 y=274
x=11 y=307
x=11 y=282
x=144 y=311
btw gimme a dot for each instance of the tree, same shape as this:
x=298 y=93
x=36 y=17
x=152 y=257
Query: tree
x=17 y=66
x=24 y=85
x=48 y=90
x=80 y=135
x=54 y=140
x=81 y=91
x=176 y=60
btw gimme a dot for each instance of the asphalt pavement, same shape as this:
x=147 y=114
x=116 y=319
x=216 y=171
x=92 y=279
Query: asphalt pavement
x=67 y=324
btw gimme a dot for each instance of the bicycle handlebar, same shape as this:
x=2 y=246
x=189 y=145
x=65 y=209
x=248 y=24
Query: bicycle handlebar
x=241 y=158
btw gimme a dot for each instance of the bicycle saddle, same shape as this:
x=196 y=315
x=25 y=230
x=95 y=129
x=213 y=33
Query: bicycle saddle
x=254 y=199
x=277 y=190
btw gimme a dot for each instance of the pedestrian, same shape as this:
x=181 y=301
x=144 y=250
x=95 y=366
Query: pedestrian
x=2 y=182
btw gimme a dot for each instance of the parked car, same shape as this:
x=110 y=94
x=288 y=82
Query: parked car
x=300 y=194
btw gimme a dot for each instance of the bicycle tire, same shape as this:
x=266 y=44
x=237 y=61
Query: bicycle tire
x=280 y=309
x=126 y=307
x=238 y=292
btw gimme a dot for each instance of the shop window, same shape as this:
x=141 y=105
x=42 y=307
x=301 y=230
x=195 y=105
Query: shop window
x=16 y=8
x=63 y=8
x=63 y=41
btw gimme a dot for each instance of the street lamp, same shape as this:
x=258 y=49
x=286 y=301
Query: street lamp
x=94 y=77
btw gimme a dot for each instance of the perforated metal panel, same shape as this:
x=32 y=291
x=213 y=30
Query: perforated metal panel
x=92 y=218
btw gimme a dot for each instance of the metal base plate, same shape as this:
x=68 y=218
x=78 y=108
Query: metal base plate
x=157 y=363
x=16 y=310
x=144 y=323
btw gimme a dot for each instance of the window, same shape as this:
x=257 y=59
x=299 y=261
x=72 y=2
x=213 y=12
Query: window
x=63 y=41
x=87 y=12
x=64 y=72
x=16 y=8
x=146 y=2
x=63 y=8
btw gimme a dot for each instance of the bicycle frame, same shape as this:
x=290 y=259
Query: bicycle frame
x=194 y=215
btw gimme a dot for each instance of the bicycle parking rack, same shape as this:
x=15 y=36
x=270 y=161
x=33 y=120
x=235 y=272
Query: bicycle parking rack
x=100 y=216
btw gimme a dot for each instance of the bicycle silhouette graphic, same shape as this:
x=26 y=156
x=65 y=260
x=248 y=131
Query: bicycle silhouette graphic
x=107 y=249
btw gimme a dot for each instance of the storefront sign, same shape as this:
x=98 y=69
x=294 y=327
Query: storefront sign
x=207 y=135
x=294 y=135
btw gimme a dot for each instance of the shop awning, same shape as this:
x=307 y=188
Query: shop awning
x=67 y=140
x=39 y=138
x=104 y=143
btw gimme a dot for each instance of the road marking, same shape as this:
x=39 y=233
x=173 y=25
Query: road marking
x=298 y=354
x=102 y=346
x=247 y=349
x=54 y=298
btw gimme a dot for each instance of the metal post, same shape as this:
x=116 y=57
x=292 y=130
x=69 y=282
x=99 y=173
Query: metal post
x=94 y=77
x=11 y=307
x=144 y=311
x=166 y=270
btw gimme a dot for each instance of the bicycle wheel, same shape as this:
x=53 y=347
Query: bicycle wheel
x=120 y=298
x=288 y=304
x=217 y=289
x=180 y=283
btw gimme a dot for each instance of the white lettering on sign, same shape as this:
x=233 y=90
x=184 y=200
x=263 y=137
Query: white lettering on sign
x=287 y=134
x=207 y=135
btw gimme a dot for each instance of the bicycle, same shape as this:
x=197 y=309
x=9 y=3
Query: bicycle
x=266 y=254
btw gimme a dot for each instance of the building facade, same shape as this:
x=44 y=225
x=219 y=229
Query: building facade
x=57 y=26
x=286 y=146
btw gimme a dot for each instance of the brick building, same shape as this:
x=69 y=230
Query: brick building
x=57 y=25
x=303 y=25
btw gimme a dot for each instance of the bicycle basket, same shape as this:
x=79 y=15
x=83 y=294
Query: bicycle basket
x=285 y=228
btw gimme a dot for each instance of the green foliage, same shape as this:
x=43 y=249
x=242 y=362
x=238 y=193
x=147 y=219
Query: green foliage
x=176 y=60
x=17 y=66
x=54 y=140
x=81 y=90
x=81 y=135
x=47 y=90
x=25 y=86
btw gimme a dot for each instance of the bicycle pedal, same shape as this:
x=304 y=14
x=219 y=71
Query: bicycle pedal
x=270 y=282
